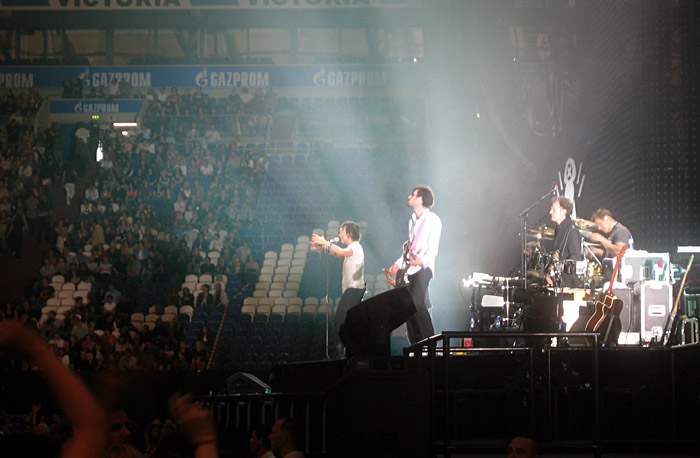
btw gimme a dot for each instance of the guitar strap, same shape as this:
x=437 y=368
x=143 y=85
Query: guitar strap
x=414 y=241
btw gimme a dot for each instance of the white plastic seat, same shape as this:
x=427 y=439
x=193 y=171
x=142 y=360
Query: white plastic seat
x=287 y=293
x=169 y=317
x=170 y=309
x=250 y=301
x=303 y=239
x=260 y=293
x=292 y=285
x=300 y=255
x=274 y=293
x=309 y=309
x=296 y=270
x=280 y=278
x=296 y=309
x=84 y=286
x=318 y=231
x=187 y=310
x=263 y=309
x=58 y=279
x=295 y=301
x=66 y=294
x=54 y=301
x=266 y=301
x=205 y=278
x=262 y=285
x=286 y=247
x=279 y=310
x=191 y=278
x=269 y=262
x=284 y=262
x=221 y=278
x=282 y=270
x=151 y=318
x=267 y=270
x=301 y=248
x=81 y=293
x=281 y=301
x=294 y=278
x=56 y=286
x=248 y=310
x=137 y=317
x=68 y=287
x=189 y=285
x=265 y=277
x=286 y=254
x=277 y=285
x=64 y=309
x=270 y=254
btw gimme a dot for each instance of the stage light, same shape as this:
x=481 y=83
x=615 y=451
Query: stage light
x=124 y=124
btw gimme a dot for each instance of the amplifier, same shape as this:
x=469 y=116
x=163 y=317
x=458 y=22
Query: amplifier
x=655 y=302
x=642 y=266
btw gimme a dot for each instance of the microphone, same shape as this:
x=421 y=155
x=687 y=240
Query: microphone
x=334 y=240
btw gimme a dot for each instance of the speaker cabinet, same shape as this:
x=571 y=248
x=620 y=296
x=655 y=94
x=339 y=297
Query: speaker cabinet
x=368 y=325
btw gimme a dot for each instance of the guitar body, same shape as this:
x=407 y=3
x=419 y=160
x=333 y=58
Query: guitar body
x=606 y=318
x=596 y=317
x=609 y=325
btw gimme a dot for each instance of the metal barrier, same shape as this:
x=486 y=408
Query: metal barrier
x=436 y=355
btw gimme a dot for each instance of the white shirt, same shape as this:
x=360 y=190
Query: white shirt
x=354 y=267
x=427 y=244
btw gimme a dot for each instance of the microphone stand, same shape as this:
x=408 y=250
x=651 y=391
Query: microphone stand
x=328 y=308
x=523 y=241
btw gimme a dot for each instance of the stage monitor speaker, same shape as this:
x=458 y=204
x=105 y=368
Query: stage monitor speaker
x=368 y=325
x=245 y=383
x=656 y=300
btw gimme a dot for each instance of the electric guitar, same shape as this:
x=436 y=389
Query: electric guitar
x=607 y=313
x=400 y=278
x=673 y=317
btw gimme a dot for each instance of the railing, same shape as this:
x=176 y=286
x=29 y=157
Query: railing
x=428 y=357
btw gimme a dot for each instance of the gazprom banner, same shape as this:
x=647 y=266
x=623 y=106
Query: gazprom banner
x=121 y=5
x=95 y=106
x=217 y=76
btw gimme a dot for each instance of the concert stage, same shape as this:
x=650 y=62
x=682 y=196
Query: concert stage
x=444 y=398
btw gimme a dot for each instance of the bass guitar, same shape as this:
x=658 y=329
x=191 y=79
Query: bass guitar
x=607 y=313
x=673 y=317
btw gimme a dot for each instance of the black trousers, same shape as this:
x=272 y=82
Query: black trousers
x=350 y=298
x=420 y=325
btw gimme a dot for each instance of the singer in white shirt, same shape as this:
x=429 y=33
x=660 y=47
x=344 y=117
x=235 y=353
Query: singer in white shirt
x=353 y=283
x=424 y=231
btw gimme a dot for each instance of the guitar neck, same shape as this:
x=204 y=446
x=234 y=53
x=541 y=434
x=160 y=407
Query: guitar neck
x=617 y=266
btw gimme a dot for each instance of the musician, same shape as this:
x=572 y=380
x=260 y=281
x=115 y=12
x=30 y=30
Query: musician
x=353 y=281
x=567 y=240
x=424 y=231
x=614 y=235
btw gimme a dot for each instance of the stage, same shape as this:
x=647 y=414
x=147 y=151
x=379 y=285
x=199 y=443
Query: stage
x=443 y=398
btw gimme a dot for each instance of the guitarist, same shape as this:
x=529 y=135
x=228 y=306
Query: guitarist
x=567 y=241
x=424 y=231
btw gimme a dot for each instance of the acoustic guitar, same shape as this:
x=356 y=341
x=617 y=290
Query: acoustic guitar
x=607 y=313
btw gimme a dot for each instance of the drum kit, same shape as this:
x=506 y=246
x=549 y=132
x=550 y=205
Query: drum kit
x=540 y=263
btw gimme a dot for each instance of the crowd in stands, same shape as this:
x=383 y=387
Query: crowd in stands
x=159 y=206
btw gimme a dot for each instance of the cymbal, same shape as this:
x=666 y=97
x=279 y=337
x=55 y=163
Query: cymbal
x=585 y=225
x=544 y=232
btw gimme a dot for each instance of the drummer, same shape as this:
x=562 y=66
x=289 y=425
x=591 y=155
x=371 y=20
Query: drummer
x=567 y=243
x=614 y=235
